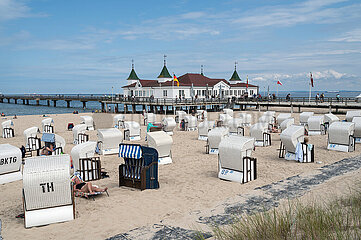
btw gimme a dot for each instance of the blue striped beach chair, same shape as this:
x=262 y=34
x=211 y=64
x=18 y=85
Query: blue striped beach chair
x=140 y=168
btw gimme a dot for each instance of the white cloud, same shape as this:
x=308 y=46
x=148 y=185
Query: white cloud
x=193 y=15
x=13 y=9
x=351 y=36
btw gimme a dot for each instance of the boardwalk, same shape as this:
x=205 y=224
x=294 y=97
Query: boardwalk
x=213 y=104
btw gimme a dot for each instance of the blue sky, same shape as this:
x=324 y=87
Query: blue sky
x=49 y=46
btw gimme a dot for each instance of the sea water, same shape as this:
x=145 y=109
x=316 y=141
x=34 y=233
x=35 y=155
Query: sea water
x=21 y=109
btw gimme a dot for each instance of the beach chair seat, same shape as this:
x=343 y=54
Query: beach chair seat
x=341 y=137
x=140 y=168
x=215 y=136
x=108 y=141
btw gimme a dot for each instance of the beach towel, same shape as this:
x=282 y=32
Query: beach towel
x=150 y=125
x=299 y=152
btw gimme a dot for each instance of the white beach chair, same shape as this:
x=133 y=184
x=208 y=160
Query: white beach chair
x=79 y=135
x=247 y=119
x=235 y=126
x=84 y=162
x=201 y=115
x=304 y=117
x=180 y=116
x=215 y=136
x=223 y=120
x=47 y=191
x=341 y=136
x=235 y=161
x=190 y=123
x=109 y=140
x=228 y=111
x=10 y=163
x=282 y=117
x=88 y=121
x=286 y=123
x=131 y=131
x=168 y=125
x=32 y=142
x=149 y=118
x=357 y=133
x=316 y=125
x=203 y=129
x=351 y=114
x=293 y=146
x=47 y=125
x=260 y=133
x=118 y=121
x=330 y=118
x=7 y=130
x=162 y=142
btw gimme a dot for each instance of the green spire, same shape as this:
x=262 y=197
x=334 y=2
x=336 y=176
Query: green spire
x=164 y=73
x=133 y=75
x=235 y=76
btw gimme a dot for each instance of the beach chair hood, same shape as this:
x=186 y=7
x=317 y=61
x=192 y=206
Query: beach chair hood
x=291 y=136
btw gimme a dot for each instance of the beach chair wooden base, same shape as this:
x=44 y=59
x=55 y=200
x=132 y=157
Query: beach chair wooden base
x=90 y=168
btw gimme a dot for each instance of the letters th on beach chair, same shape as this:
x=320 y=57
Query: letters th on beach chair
x=47 y=191
x=140 y=169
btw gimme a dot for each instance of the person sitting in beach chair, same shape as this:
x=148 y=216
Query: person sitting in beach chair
x=47 y=150
x=85 y=189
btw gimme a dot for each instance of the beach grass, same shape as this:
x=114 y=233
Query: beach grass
x=336 y=219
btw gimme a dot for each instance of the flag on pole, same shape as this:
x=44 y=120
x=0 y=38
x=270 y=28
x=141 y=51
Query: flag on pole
x=311 y=79
x=279 y=82
x=247 y=82
x=175 y=79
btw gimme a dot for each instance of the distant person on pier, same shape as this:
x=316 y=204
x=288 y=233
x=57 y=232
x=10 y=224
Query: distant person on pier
x=288 y=97
x=317 y=98
x=338 y=97
x=322 y=97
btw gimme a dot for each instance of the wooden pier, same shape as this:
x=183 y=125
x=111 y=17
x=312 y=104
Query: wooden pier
x=156 y=105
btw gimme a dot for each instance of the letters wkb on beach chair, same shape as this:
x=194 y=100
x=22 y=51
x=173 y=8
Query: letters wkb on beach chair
x=140 y=169
x=47 y=191
x=235 y=161
x=7 y=130
x=10 y=163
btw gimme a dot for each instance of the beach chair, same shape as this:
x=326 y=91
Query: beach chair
x=190 y=123
x=235 y=126
x=109 y=140
x=32 y=142
x=357 y=133
x=329 y=119
x=266 y=120
x=180 y=116
x=140 y=168
x=83 y=194
x=149 y=118
x=168 y=125
x=304 y=117
x=79 y=135
x=57 y=141
x=47 y=126
x=7 y=130
x=271 y=115
x=162 y=142
x=10 y=163
x=223 y=120
x=88 y=121
x=286 y=123
x=351 y=114
x=203 y=129
x=84 y=162
x=119 y=121
x=293 y=146
x=234 y=159
x=215 y=136
x=282 y=117
x=247 y=119
x=316 y=125
x=201 y=115
x=260 y=132
x=341 y=137
x=131 y=131
x=228 y=111
x=47 y=191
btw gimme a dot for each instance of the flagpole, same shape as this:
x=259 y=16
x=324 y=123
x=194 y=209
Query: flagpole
x=309 y=96
x=173 y=99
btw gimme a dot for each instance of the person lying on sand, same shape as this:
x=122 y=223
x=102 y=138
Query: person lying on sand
x=85 y=187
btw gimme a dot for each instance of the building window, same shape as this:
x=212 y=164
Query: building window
x=239 y=92
x=165 y=93
x=243 y=92
x=143 y=93
x=251 y=92
x=230 y=92
x=227 y=92
x=181 y=92
x=198 y=92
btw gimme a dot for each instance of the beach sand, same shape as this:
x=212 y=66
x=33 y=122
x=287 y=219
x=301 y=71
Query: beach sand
x=187 y=185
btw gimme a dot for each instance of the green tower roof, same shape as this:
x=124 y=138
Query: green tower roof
x=133 y=75
x=164 y=73
x=235 y=76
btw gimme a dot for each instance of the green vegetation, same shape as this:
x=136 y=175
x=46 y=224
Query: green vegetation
x=339 y=219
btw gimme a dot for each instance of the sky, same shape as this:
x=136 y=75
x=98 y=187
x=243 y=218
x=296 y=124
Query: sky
x=87 y=46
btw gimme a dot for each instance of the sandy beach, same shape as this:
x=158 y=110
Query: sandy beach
x=189 y=184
